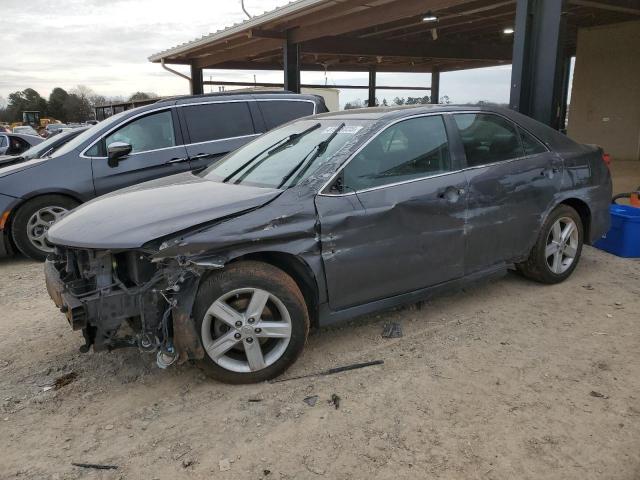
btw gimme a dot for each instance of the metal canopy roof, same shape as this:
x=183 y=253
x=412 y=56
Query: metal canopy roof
x=353 y=35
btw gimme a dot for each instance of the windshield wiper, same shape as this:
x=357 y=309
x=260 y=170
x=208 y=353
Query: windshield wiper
x=319 y=150
x=271 y=149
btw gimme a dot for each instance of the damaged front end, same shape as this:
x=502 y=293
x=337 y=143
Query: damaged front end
x=125 y=299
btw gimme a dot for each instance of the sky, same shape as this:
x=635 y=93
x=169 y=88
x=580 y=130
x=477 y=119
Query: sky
x=104 y=45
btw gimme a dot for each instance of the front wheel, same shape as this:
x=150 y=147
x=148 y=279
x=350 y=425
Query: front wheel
x=33 y=220
x=557 y=251
x=252 y=320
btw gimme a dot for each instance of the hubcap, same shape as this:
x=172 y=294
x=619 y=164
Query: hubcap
x=562 y=245
x=246 y=330
x=39 y=224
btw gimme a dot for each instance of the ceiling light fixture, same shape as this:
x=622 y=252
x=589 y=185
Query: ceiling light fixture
x=429 y=17
x=508 y=31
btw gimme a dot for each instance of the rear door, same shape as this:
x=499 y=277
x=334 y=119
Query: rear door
x=399 y=225
x=157 y=151
x=215 y=129
x=277 y=112
x=512 y=180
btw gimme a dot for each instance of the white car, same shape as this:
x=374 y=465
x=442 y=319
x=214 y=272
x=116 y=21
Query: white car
x=25 y=129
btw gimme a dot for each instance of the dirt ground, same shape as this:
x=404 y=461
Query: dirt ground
x=508 y=380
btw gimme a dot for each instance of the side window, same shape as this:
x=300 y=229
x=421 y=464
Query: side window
x=487 y=138
x=410 y=149
x=146 y=133
x=96 y=151
x=215 y=121
x=3 y=141
x=531 y=145
x=278 y=112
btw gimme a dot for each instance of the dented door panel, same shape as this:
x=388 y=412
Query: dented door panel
x=393 y=240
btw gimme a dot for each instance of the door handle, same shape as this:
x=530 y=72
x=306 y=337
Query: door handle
x=200 y=155
x=177 y=160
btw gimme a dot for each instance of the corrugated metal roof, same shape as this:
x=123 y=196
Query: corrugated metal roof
x=255 y=22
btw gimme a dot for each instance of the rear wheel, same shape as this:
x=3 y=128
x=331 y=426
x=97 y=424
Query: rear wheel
x=252 y=320
x=557 y=250
x=33 y=220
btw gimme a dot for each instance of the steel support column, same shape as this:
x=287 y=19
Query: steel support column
x=196 y=80
x=435 y=86
x=291 y=63
x=538 y=60
x=371 y=102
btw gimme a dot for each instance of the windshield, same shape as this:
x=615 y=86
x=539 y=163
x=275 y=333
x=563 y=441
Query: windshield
x=284 y=157
x=89 y=133
x=38 y=150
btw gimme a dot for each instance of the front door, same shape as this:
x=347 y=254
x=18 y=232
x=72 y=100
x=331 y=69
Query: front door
x=157 y=151
x=398 y=225
x=513 y=179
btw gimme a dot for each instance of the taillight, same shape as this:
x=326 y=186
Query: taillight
x=606 y=158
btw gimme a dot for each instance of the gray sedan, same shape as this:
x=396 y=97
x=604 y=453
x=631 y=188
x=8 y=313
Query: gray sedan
x=319 y=221
x=16 y=143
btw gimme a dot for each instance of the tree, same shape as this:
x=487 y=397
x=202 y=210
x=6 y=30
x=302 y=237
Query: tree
x=399 y=101
x=354 y=104
x=445 y=99
x=27 y=99
x=142 y=96
x=384 y=102
x=55 y=109
x=77 y=108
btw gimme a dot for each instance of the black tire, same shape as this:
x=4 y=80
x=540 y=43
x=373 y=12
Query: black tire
x=19 y=224
x=536 y=267
x=253 y=274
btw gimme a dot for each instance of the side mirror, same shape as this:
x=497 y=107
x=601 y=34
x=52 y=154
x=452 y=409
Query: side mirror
x=117 y=151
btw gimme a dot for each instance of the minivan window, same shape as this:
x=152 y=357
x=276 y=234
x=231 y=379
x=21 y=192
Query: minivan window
x=3 y=141
x=487 y=138
x=150 y=132
x=531 y=144
x=407 y=150
x=89 y=134
x=215 y=121
x=279 y=112
x=286 y=156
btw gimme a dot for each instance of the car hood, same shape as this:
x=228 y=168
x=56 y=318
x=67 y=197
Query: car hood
x=131 y=217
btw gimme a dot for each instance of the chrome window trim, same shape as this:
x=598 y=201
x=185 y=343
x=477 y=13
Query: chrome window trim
x=120 y=125
x=322 y=192
x=361 y=147
x=169 y=107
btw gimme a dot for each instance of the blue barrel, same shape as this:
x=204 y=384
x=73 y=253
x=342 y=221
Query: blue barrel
x=623 y=238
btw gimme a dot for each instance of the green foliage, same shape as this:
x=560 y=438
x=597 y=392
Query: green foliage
x=56 y=103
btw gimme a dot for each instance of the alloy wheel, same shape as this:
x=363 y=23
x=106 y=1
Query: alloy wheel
x=39 y=224
x=562 y=245
x=246 y=330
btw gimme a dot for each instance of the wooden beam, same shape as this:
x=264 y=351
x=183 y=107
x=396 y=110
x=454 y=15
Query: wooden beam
x=435 y=49
x=239 y=53
x=310 y=85
x=368 y=18
x=260 y=33
x=606 y=6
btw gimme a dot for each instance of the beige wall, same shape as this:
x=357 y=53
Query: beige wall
x=605 y=98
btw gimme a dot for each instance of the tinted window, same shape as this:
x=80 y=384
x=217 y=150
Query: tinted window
x=487 y=138
x=146 y=133
x=3 y=141
x=215 y=121
x=410 y=149
x=531 y=145
x=277 y=112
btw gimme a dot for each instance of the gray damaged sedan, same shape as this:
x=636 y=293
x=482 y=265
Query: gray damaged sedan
x=319 y=221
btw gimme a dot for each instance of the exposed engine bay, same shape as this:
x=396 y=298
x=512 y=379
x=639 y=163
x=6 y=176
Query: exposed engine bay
x=101 y=292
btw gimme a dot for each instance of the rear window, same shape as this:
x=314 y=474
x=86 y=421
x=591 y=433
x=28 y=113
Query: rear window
x=531 y=145
x=216 y=121
x=278 y=112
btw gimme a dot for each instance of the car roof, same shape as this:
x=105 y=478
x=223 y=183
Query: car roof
x=548 y=135
x=237 y=95
x=24 y=136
